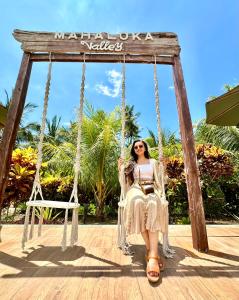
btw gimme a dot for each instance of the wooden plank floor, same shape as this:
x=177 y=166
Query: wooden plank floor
x=96 y=268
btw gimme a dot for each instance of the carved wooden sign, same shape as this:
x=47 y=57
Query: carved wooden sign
x=149 y=43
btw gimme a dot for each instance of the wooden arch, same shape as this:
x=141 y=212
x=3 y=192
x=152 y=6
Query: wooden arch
x=104 y=47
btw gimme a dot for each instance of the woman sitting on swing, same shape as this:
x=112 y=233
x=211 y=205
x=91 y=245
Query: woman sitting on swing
x=146 y=211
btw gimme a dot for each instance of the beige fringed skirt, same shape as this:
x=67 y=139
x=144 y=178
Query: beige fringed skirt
x=144 y=212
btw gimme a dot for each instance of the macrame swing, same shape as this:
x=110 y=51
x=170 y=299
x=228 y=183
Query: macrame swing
x=122 y=241
x=73 y=202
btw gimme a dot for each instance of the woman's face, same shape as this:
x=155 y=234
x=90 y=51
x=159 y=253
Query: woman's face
x=139 y=148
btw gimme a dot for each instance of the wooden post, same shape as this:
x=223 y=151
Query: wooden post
x=196 y=210
x=13 y=120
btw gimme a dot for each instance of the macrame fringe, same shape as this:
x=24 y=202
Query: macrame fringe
x=25 y=230
x=122 y=242
x=32 y=224
x=40 y=221
x=64 y=238
x=74 y=228
x=167 y=251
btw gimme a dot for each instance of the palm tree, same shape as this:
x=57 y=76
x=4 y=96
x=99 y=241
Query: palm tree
x=225 y=137
x=27 y=131
x=54 y=131
x=171 y=144
x=131 y=127
x=99 y=153
x=100 y=150
x=59 y=147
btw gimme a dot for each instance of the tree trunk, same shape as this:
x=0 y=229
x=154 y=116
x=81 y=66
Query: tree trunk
x=100 y=211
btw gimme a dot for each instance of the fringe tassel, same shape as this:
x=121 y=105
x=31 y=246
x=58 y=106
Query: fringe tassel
x=63 y=243
x=122 y=242
x=25 y=230
x=40 y=221
x=74 y=227
x=32 y=223
x=119 y=228
x=0 y=233
x=167 y=251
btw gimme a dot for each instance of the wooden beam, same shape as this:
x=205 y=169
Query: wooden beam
x=196 y=210
x=101 y=58
x=160 y=43
x=13 y=120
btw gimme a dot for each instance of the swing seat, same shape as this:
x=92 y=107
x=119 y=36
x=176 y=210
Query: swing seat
x=53 y=204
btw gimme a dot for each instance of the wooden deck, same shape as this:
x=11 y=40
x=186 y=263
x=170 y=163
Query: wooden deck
x=96 y=268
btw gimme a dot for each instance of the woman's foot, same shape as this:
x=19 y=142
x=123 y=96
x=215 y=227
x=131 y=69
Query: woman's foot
x=152 y=269
x=160 y=262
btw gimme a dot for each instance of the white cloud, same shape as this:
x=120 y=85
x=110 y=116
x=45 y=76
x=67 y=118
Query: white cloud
x=66 y=124
x=171 y=87
x=114 y=79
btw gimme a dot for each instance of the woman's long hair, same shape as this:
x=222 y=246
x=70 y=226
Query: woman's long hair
x=129 y=169
x=134 y=155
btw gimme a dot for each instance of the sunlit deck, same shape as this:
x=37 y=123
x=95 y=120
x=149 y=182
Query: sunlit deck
x=97 y=269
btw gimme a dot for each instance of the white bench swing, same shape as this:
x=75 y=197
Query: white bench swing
x=122 y=238
x=73 y=202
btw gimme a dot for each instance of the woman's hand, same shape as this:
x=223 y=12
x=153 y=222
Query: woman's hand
x=120 y=163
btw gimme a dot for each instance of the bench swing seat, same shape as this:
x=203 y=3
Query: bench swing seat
x=53 y=204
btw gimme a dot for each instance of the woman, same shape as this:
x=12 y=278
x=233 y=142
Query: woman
x=145 y=214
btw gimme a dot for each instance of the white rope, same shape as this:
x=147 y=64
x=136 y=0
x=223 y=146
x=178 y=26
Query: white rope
x=123 y=112
x=74 y=194
x=37 y=185
x=122 y=242
x=160 y=146
x=121 y=238
x=166 y=250
x=80 y=118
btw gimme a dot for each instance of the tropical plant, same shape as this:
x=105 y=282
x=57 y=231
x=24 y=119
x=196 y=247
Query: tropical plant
x=100 y=151
x=131 y=127
x=55 y=133
x=21 y=176
x=214 y=163
x=225 y=137
x=49 y=214
x=27 y=131
x=171 y=144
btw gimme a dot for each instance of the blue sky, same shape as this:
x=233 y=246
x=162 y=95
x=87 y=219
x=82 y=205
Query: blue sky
x=208 y=33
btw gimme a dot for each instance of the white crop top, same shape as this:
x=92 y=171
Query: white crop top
x=146 y=171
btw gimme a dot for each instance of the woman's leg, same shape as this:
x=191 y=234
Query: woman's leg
x=153 y=243
x=145 y=236
x=153 y=252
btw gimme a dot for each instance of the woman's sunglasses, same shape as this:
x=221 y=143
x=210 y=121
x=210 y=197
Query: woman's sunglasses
x=136 y=147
